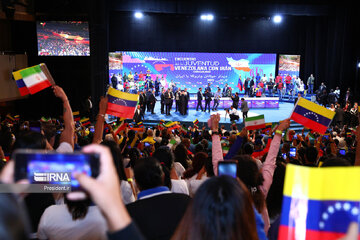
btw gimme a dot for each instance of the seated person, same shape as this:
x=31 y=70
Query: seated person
x=157 y=211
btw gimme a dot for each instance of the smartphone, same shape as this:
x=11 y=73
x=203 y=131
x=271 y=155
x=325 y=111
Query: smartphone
x=92 y=130
x=342 y=152
x=292 y=152
x=38 y=166
x=146 y=144
x=326 y=136
x=228 y=168
x=284 y=155
x=295 y=136
x=35 y=126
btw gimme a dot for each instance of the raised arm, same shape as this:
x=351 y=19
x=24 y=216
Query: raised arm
x=270 y=161
x=67 y=134
x=217 y=154
x=357 y=156
x=99 y=126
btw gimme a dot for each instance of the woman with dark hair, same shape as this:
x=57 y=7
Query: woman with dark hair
x=166 y=158
x=127 y=189
x=221 y=209
x=72 y=220
x=181 y=156
x=197 y=173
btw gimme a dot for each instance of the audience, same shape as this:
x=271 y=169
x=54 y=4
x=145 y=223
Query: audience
x=147 y=178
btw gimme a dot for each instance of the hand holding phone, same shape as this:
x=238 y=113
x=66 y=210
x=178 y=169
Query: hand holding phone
x=228 y=168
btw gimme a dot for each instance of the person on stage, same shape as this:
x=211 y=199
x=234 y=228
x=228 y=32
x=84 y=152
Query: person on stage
x=235 y=100
x=162 y=100
x=199 y=99
x=252 y=84
x=157 y=86
x=257 y=78
x=187 y=99
x=139 y=114
x=208 y=88
x=234 y=116
x=310 y=84
x=208 y=99
x=177 y=100
x=217 y=96
x=247 y=86
x=142 y=101
x=270 y=86
x=136 y=77
x=225 y=90
x=114 y=81
x=152 y=100
x=148 y=102
x=168 y=100
x=183 y=102
x=244 y=108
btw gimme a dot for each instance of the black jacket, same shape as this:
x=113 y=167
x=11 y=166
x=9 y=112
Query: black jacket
x=199 y=96
x=157 y=217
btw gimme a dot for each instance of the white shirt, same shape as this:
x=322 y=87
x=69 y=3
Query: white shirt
x=179 y=169
x=56 y=223
x=264 y=79
x=64 y=147
x=233 y=111
x=126 y=192
x=179 y=186
x=194 y=184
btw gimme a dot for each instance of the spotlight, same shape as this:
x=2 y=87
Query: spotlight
x=277 y=19
x=207 y=17
x=138 y=15
x=358 y=65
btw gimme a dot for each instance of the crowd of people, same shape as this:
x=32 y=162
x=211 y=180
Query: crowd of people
x=163 y=183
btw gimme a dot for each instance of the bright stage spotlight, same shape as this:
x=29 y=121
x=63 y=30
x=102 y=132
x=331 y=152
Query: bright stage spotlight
x=207 y=17
x=277 y=19
x=138 y=15
x=358 y=65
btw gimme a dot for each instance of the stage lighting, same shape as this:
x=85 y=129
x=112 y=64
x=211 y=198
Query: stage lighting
x=138 y=15
x=358 y=65
x=207 y=17
x=277 y=19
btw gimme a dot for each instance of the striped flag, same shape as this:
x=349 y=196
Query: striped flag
x=120 y=127
x=85 y=121
x=121 y=104
x=257 y=122
x=76 y=116
x=31 y=80
x=196 y=122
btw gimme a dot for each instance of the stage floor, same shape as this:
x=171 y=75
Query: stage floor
x=271 y=115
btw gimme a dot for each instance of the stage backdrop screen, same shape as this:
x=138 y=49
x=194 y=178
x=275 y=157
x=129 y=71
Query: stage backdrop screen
x=63 y=38
x=192 y=70
x=289 y=64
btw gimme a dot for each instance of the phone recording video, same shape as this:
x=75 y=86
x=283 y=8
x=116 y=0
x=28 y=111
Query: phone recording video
x=284 y=155
x=41 y=167
x=292 y=152
x=228 y=168
x=342 y=152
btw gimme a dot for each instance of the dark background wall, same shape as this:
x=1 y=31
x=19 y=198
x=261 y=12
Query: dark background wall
x=324 y=34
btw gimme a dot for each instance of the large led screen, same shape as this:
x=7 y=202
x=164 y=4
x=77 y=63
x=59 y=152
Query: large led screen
x=192 y=70
x=289 y=64
x=63 y=38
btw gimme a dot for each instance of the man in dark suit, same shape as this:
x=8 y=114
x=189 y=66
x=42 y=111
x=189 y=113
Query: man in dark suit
x=157 y=212
x=208 y=88
x=187 y=98
x=247 y=86
x=208 y=99
x=168 y=100
x=138 y=116
x=235 y=100
x=339 y=116
x=152 y=100
x=148 y=102
x=199 y=99
x=114 y=81
x=225 y=90
x=142 y=101
x=162 y=100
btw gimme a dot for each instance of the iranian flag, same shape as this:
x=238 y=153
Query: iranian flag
x=256 y=122
x=34 y=78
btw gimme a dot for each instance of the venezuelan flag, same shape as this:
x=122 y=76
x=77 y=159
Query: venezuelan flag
x=196 y=121
x=312 y=115
x=85 y=121
x=319 y=203
x=121 y=104
x=76 y=116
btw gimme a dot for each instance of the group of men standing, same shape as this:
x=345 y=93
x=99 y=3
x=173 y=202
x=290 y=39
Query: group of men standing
x=181 y=97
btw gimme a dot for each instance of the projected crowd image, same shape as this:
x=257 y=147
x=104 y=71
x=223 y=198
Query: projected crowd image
x=191 y=70
x=63 y=38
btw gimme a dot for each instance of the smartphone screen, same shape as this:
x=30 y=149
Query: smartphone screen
x=284 y=155
x=40 y=167
x=228 y=168
x=147 y=144
x=35 y=126
x=342 y=152
x=292 y=152
x=326 y=136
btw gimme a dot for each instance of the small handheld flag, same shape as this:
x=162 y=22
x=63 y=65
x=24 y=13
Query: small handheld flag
x=76 y=116
x=257 y=122
x=85 y=121
x=121 y=104
x=312 y=115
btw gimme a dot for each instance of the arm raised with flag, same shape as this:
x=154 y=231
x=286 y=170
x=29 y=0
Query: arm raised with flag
x=99 y=126
x=67 y=135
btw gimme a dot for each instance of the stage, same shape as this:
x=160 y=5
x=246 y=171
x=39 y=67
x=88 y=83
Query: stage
x=226 y=102
x=271 y=115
